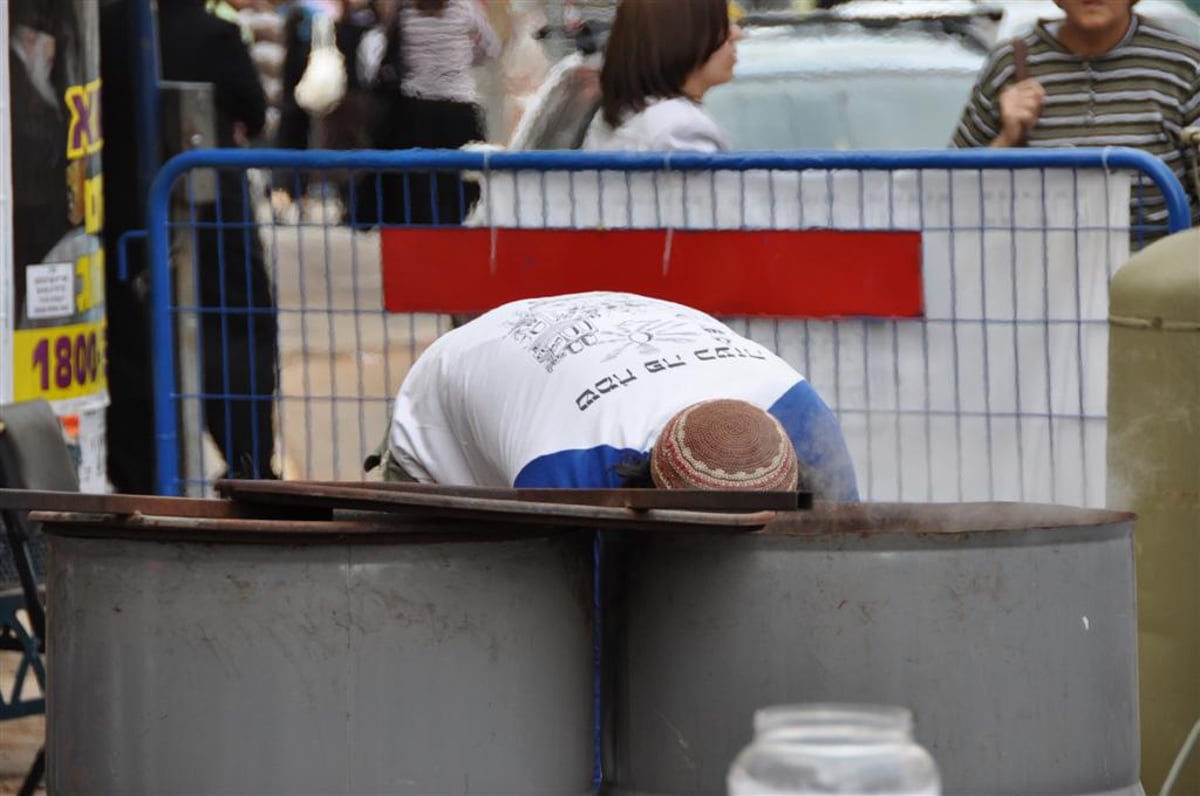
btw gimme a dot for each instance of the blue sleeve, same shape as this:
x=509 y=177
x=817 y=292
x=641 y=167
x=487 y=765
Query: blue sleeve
x=591 y=468
x=818 y=441
x=808 y=421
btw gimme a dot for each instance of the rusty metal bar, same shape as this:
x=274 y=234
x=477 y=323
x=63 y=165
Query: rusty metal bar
x=307 y=513
x=35 y=500
x=637 y=499
x=474 y=520
x=354 y=496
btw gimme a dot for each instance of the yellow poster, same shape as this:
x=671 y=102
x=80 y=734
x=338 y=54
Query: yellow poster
x=61 y=362
x=52 y=303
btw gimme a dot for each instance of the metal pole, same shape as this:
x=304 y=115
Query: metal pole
x=162 y=340
x=146 y=77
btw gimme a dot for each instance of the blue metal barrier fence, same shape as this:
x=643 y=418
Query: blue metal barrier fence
x=1017 y=250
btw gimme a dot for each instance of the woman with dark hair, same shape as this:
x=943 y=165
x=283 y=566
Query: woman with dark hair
x=438 y=104
x=662 y=58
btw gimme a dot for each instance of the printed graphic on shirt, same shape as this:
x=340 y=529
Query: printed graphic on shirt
x=700 y=355
x=554 y=329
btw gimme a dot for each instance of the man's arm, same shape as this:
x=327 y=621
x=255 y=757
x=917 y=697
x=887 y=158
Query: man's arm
x=1020 y=109
x=1191 y=119
x=483 y=38
x=999 y=114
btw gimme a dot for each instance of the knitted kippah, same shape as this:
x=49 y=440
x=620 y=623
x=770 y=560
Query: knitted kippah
x=724 y=444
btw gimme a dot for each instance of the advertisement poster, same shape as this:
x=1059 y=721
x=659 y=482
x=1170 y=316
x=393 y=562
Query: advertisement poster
x=52 y=314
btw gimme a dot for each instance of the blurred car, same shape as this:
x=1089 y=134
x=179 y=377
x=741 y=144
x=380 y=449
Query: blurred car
x=1003 y=19
x=842 y=85
x=816 y=81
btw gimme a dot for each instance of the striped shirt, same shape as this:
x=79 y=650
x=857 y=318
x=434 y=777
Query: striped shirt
x=440 y=50
x=1142 y=93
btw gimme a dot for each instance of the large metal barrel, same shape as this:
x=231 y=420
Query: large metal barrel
x=1008 y=629
x=348 y=661
x=1153 y=461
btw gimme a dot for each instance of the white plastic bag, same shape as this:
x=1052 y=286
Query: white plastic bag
x=323 y=85
x=371 y=50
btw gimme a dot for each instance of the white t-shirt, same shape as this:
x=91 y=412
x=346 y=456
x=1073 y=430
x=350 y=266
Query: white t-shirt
x=666 y=125
x=558 y=391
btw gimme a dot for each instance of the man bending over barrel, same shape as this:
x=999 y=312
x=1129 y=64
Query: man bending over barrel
x=612 y=390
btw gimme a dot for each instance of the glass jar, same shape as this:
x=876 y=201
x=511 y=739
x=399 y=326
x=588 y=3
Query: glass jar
x=834 y=749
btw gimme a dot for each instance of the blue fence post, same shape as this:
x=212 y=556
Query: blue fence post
x=162 y=334
x=123 y=251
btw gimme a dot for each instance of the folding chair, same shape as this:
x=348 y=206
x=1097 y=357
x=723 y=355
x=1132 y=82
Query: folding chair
x=33 y=455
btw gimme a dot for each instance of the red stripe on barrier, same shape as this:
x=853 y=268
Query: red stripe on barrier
x=780 y=273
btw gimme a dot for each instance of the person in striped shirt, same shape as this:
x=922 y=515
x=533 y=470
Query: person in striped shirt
x=1100 y=77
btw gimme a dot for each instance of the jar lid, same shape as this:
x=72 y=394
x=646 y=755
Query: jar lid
x=832 y=722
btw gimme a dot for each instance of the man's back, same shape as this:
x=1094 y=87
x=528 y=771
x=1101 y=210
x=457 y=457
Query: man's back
x=565 y=391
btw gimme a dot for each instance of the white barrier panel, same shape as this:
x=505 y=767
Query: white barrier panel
x=998 y=393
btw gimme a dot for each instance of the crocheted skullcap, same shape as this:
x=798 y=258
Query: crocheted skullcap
x=724 y=444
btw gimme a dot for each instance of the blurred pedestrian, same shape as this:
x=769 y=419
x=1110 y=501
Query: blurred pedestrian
x=295 y=126
x=129 y=419
x=231 y=11
x=345 y=126
x=238 y=325
x=612 y=390
x=662 y=57
x=521 y=68
x=1102 y=76
x=436 y=102
x=348 y=126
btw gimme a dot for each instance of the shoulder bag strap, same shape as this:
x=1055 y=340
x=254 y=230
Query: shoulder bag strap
x=1020 y=69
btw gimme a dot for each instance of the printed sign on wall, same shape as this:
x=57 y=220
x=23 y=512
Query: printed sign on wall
x=55 y=282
